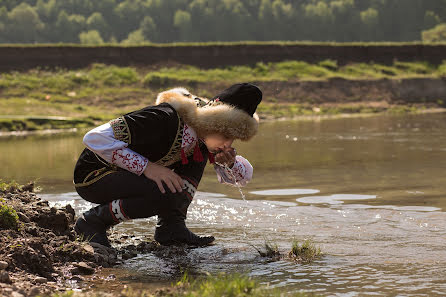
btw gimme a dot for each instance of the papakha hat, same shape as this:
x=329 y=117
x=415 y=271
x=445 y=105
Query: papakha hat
x=244 y=96
x=230 y=113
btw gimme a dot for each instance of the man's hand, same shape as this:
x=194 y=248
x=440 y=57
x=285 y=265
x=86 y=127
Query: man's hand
x=226 y=156
x=160 y=174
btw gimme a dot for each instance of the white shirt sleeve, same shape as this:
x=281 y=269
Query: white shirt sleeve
x=102 y=141
x=240 y=173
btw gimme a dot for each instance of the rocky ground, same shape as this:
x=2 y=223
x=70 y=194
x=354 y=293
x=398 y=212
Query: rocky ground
x=43 y=256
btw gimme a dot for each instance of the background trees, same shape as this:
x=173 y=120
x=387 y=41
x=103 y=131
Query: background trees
x=137 y=21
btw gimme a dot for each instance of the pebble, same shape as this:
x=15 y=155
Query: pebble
x=84 y=267
x=89 y=249
x=4 y=277
x=40 y=280
x=76 y=278
x=3 y=265
x=16 y=294
x=126 y=256
x=34 y=291
x=23 y=217
x=99 y=248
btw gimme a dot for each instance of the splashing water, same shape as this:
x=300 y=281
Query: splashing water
x=237 y=184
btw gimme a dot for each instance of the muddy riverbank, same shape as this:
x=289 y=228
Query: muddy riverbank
x=40 y=255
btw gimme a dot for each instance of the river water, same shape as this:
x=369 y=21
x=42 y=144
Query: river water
x=370 y=192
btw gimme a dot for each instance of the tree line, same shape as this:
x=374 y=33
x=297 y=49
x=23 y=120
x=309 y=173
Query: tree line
x=160 y=21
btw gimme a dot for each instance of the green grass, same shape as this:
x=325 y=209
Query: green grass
x=228 y=285
x=231 y=285
x=8 y=187
x=290 y=70
x=34 y=124
x=98 y=93
x=304 y=252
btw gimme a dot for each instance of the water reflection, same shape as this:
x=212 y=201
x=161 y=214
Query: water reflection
x=369 y=191
x=285 y=192
x=334 y=199
x=390 y=157
x=368 y=250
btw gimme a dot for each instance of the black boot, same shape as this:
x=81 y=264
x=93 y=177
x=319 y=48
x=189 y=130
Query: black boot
x=171 y=228
x=170 y=232
x=92 y=225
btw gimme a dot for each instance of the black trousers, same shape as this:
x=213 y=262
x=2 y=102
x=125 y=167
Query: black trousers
x=139 y=196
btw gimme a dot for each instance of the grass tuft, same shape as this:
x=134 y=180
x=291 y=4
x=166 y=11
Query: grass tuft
x=230 y=285
x=304 y=252
x=9 y=187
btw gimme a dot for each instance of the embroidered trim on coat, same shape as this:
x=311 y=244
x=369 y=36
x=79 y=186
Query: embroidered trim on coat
x=189 y=137
x=174 y=154
x=131 y=161
x=121 y=130
x=97 y=175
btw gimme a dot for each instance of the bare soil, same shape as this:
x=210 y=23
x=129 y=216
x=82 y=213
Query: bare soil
x=44 y=255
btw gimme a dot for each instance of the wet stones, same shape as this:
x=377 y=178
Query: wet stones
x=39 y=258
x=104 y=256
x=23 y=217
x=4 y=277
x=84 y=268
x=40 y=280
x=3 y=265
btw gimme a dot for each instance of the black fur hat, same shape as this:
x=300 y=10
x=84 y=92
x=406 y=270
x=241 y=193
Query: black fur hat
x=244 y=96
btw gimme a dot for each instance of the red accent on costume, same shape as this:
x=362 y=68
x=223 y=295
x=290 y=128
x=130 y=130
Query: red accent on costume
x=192 y=181
x=239 y=172
x=122 y=210
x=211 y=158
x=188 y=137
x=112 y=213
x=198 y=157
x=184 y=160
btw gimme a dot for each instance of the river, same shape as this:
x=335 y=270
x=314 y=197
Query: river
x=369 y=191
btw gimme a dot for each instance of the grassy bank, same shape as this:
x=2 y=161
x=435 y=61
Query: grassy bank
x=234 y=285
x=54 y=99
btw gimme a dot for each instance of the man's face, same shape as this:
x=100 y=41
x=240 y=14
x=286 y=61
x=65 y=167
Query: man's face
x=217 y=142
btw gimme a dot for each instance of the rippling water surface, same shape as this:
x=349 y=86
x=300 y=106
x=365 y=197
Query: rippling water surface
x=370 y=192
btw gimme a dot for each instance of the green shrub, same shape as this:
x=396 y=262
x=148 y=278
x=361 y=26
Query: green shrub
x=8 y=217
x=6 y=187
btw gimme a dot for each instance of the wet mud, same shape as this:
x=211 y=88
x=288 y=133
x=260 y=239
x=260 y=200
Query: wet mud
x=43 y=256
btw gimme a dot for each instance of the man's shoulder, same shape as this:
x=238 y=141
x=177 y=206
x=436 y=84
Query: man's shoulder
x=163 y=113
